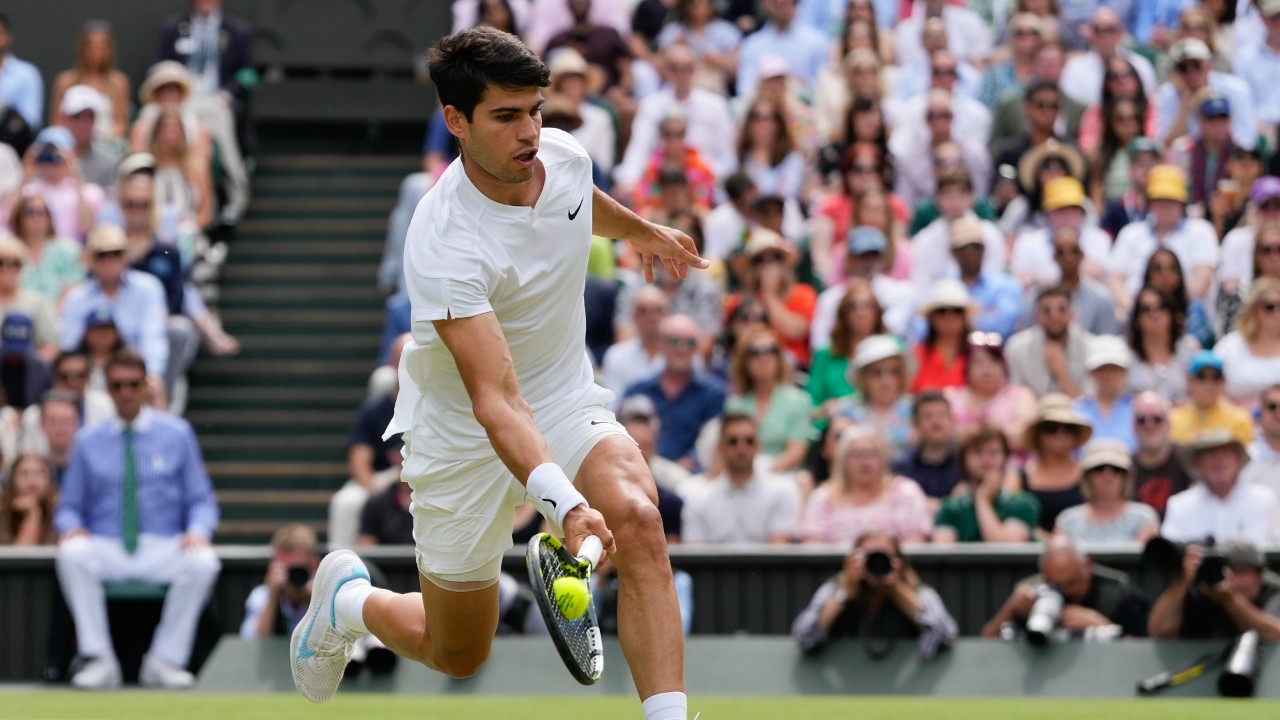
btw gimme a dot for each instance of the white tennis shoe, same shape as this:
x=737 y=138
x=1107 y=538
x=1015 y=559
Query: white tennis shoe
x=320 y=648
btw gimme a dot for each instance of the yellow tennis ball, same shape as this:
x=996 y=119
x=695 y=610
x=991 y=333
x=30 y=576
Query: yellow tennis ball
x=571 y=597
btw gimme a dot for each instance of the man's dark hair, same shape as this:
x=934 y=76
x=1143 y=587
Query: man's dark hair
x=66 y=355
x=738 y=184
x=1053 y=291
x=126 y=358
x=955 y=179
x=1039 y=86
x=464 y=64
x=925 y=398
x=732 y=417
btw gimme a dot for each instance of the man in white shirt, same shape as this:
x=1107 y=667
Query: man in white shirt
x=1083 y=75
x=711 y=130
x=1220 y=505
x=972 y=119
x=740 y=506
x=497 y=401
x=1259 y=66
x=969 y=37
x=1264 y=451
x=931 y=247
x=1194 y=81
x=865 y=260
x=1193 y=240
x=639 y=356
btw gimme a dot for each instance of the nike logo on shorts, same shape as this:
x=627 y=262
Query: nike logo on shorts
x=573 y=215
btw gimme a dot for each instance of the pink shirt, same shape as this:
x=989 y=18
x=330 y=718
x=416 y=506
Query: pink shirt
x=63 y=200
x=1001 y=411
x=902 y=511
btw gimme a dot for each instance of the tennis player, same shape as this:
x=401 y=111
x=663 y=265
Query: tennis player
x=497 y=401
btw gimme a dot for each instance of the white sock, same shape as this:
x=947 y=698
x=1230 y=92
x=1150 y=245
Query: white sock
x=666 y=706
x=348 y=606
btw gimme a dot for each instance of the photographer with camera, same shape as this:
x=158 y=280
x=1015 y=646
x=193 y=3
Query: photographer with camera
x=277 y=605
x=878 y=596
x=1220 y=592
x=1087 y=597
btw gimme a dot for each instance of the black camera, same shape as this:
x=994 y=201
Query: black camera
x=1168 y=554
x=298 y=576
x=1045 y=614
x=878 y=564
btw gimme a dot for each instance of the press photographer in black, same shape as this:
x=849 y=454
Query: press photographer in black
x=1236 y=595
x=876 y=596
x=1091 y=597
x=276 y=606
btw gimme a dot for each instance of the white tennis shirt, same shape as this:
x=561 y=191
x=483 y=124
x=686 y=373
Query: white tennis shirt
x=466 y=255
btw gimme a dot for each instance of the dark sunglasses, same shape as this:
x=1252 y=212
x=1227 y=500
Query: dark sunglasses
x=1208 y=376
x=108 y=254
x=948 y=311
x=1106 y=29
x=1119 y=75
x=1152 y=309
x=73 y=376
x=1152 y=420
x=945 y=72
x=122 y=384
x=137 y=205
x=1026 y=32
x=755 y=352
x=680 y=342
x=736 y=440
x=763 y=258
x=1073 y=251
x=35 y=212
x=938 y=116
x=1189 y=66
x=1116 y=468
x=1046 y=105
x=1054 y=428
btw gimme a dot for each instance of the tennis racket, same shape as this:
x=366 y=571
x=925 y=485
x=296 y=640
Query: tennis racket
x=578 y=640
x=1174 y=678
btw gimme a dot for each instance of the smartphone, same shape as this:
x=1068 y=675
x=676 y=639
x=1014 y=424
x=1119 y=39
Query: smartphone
x=49 y=155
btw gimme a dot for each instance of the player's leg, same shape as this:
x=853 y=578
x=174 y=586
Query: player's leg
x=617 y=482
x=448 y=630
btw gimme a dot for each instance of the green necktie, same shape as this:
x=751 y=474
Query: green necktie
x=129 y=497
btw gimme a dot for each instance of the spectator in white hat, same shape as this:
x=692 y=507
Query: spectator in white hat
x=78 y=112
x=1194 y=81
x=1109 y=407
x=1108 y=514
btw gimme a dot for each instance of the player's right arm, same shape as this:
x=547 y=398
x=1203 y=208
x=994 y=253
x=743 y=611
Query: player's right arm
x=484 y=362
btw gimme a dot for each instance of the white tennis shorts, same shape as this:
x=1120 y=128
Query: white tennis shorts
x=463 y=509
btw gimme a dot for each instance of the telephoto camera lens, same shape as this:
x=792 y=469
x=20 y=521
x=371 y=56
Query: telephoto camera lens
x=298 y=576
x=1044 y=616
x=1240 y=671
x=878 y=564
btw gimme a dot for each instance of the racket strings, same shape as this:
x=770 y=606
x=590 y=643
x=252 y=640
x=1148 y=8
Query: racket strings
x=576 y=633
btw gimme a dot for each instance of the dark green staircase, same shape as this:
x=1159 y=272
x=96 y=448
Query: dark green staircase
x=298 y=290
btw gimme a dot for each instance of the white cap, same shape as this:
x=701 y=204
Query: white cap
x=1107 y=350
x=772 y=66
x=79 y=98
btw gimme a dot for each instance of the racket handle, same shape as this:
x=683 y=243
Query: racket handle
x=591 y=550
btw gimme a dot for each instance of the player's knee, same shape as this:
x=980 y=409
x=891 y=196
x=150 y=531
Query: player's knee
x=462 y=664
x=641 y=524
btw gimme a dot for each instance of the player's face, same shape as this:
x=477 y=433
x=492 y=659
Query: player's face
x=501 y=141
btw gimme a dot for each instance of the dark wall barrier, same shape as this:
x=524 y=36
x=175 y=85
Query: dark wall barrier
x=755 y=591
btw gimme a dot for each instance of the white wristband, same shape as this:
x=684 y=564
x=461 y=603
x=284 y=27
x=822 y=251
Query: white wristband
x=552 y=493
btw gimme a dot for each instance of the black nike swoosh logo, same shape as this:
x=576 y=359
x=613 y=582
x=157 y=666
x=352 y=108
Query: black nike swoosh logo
x=574 y=214
x=549 y=500
x=598 y=422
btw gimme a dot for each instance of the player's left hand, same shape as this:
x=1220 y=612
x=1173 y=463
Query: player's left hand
x=674 y=249
x=583 y=522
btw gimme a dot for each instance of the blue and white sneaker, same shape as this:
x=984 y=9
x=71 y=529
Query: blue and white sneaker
x=320 y=648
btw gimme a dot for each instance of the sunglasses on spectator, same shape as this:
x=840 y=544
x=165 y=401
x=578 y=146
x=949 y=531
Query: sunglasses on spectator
x=764 y=258
x=948 y=311
x=762 y=351
x=1068 y=251
x=73 y=376
x=1112 y=75
x=13 y=263
x=108 y=254
x=736 y=440
x=864 y=169
x=682 y=342
x=123 y=384
x=35 y=211
x=1106 y=29
x=1113 y=468
x=1146 y=309
x=1152 y=420
x=938 y=115
x=1046 y=105
x=944 y=72
x=1054 y=428
x=1026 y=32
x=137 y=204
x=1164 y=267
x=1208 y=376
x=1189 y=66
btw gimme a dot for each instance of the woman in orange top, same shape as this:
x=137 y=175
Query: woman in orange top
x=941 y=358
x=767 y=266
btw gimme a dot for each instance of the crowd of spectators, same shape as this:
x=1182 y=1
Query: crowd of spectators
x=108 y=217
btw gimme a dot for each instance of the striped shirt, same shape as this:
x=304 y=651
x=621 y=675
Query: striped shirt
x=139 y=311
x=175 y=495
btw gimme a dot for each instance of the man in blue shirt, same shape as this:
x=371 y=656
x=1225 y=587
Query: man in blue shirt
x=685 y=398
x=1109 y=408
x=136 y=505
x=997 y=295
x=20 y=84
x=804 y=48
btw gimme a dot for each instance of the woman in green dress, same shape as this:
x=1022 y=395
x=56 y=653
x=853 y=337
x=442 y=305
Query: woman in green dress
x=858 y=317
x=762 y=380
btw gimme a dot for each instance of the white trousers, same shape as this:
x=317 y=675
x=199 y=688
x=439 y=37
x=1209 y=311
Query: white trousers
x=85 y=563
